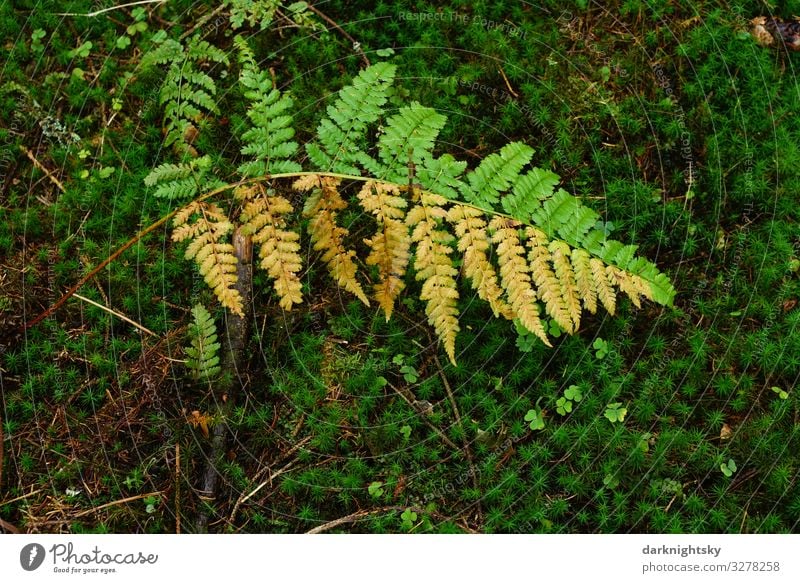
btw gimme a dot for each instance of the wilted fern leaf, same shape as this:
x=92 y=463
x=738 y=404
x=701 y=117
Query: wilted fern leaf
x=389 y=246
x=264 y=217
x=516 y=275
x=434 y=268
x=341 y=135
x=208 y=248
x=203 y=353
x=321 y=209
x=269 y=140
x=474 y=242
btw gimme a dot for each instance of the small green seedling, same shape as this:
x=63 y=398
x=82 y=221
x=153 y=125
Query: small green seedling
x=611 y=481
x=409 y=373
x=408 y=517
x=375 y=489
x=729 y=468
x=563 y=406
x=780 y=392
x=573 y=393
x=82 y=51
x=535 y=417
x=601 y=348
x=615 y=412
x=405 y=431
x=36 y=38
x=553 y=329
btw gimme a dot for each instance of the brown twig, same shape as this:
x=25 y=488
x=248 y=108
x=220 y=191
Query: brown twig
x=451 y=397
x=177 y=488
x=117 y=314
x=115 y=503
x=41 y=167
x=355 y=44
x=363 y=513
x=260 y=473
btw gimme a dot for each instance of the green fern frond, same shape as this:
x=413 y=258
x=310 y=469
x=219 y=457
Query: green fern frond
x=269 y=140
x=203 y=353
x=182 y=181
x=411 y=131
x=528 y=192
x=495 y=175
x=341 y=136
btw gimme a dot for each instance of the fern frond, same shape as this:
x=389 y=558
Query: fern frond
x=441 y=175
x=202 y=356
x=548 y=286
x=495 y=175
x=434 y=268
x=602 y=283
x=342 y=134
x=389 y=247
x=473 y=242
x=269 y=140
x=181 y=181
x=515 y=275
x=528 y=193
x=264 y=217
x=214 y=256
x=584 y=280
x=560 y=253
x=321 y=209
x=413 y=130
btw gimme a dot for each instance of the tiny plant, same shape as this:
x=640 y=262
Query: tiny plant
x=601 y=348
x=409 y=373
x=780 y=392
x=408 y=517
x=572 y=395
x=535 y=417
x=615 y=412
x=203 y=359
x=405 y=431
x=729 y=468
x=375 y=489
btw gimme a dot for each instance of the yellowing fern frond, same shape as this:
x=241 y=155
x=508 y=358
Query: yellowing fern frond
x=214 y=256
x=515 y=275
x=435 y=269
x=602 y=284
x=548 y=286
x=473 y=242
x=389 y=247
x=263 y=217
x=321 y=209
x=583 y=279
x=560 y=252
x=627 y=283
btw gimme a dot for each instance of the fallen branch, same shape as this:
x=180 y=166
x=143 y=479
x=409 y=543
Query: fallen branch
x=117 y=314
x=363 y=513
x=232 y=366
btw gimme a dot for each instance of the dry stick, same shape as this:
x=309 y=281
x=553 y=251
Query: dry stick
x=117 y=314
x=202 y=22
x=177 y=488
x=104 y=10
x=233 y=365
x=264 y=470
x=329 y=20
x=41 y=167
x=115 y=503
x=362 y=513
x=438 y=431
x=466 y=443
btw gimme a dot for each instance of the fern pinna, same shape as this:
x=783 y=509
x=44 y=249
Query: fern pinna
x=530 y=249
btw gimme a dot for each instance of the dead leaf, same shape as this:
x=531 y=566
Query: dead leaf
x=726 y=432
